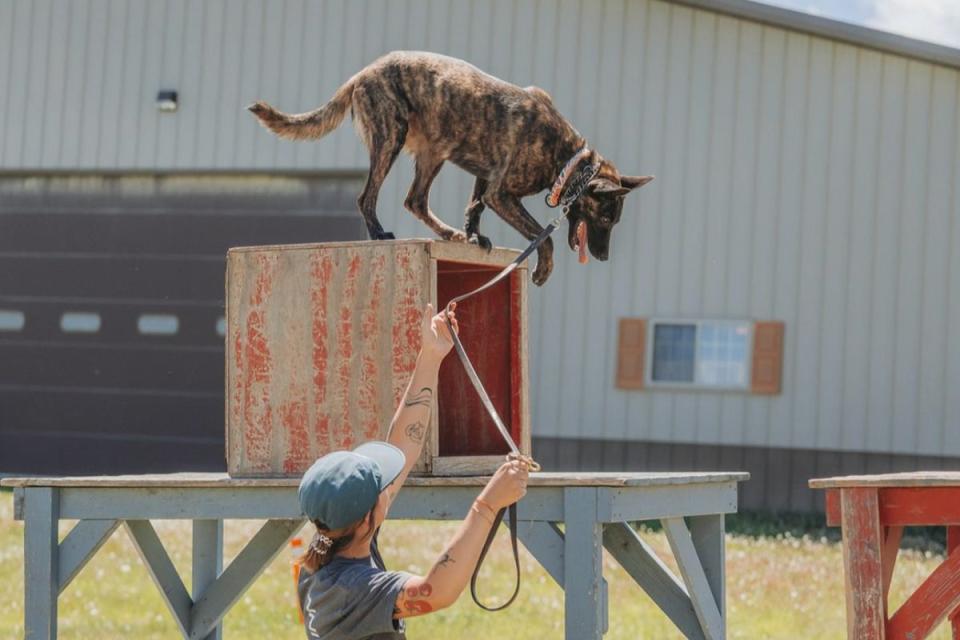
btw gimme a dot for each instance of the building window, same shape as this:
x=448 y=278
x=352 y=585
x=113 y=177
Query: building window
x=710 y=354
x=11 y=320
x=80 y=322
x=158 y=324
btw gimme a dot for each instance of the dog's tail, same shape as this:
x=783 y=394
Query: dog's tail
x=306 y=126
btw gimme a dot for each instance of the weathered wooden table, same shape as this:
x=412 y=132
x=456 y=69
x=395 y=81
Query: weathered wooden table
x=872 y=511
x=593 y=507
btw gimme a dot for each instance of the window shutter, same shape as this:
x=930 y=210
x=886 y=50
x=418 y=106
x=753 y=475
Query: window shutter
x=631 y=352
x=767 y=368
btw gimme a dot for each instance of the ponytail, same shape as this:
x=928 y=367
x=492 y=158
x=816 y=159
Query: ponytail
x=326 y=544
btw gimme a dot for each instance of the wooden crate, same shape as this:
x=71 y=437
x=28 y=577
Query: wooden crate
x=322 y=339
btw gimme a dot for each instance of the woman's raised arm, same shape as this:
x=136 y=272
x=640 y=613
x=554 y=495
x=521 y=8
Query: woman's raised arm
x=411 y=422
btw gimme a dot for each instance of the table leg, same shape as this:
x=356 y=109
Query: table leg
x=953 y=541
x=584 y=600
x=707 y=534
x=40 y=566
x=207 y=561
x=863 y=572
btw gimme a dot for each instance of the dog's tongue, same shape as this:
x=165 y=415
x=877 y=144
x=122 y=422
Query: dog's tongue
x=582 y=242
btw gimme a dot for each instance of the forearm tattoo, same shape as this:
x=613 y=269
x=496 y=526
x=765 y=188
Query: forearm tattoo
x=423 y=397
x=415 y=431
x=445 y=559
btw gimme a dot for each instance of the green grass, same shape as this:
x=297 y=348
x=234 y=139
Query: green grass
x=780 y=586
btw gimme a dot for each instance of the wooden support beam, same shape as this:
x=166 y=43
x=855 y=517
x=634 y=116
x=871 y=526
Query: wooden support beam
x=207 y=561
x=237 y=578
x=862 y=544
x=641 y=563
x=888 y=559
x=695 y=577
x=544 y=541
x=582 y=565
x=40 y=564
x=162 y=570
x=953 y=543
x=934 y=600
x=86 y=537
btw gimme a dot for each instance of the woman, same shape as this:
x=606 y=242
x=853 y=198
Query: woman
x=345 y=591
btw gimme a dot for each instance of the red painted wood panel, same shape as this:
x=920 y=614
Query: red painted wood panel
x=919 y=506
x=322 y=339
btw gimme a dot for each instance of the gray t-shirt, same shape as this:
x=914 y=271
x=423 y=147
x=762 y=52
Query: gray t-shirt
x=352 y=599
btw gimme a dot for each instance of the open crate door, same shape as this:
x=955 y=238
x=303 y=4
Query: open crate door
x=492 y=330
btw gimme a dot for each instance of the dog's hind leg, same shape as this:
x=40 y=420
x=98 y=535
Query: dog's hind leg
x=384 y=130
x=380 y=162
x=474 y=208
x=417 y=201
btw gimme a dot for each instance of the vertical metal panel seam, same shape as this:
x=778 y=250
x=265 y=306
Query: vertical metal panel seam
x=607 y=371
x=684 y=201
x=163 y=56
x=5 y=113
x=346 y=73
x=799 y=259
x=634 y=240
x=697 y=434
x=121 y=79
x=43 y=103
x=726 y=400
x=950 y=274
x=777 y=198
x=564 y=323
x=543 y=389
x=871 y=261
x=144 y=30
x=899 y=258
x=58 y=154
x=221 y=72
x=841 y=418
x=27 y=26
x=823 y=241
x=922 y=373
x=595 y=117
x=102 y=132
x=659 y=206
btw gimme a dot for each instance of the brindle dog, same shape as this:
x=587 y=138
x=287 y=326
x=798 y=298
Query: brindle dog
x=438 y=108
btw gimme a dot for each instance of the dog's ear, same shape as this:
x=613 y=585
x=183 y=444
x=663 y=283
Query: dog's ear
x=632 y=182
x=604 y=187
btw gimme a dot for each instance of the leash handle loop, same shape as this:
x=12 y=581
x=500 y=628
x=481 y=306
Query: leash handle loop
x=483 y=554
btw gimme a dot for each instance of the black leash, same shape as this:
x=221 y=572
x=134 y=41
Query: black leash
x=483 y=554
x=570 y=185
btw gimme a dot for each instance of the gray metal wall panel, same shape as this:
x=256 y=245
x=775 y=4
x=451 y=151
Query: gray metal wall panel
x=799 y=178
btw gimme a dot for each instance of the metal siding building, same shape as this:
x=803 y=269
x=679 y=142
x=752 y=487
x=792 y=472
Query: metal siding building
x=806 y=173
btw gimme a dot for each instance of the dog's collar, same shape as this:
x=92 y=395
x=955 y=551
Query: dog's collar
x=573 y=180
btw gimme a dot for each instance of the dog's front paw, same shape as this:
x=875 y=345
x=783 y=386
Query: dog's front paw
x=454 y=235
x=542 y=272
x=384 y=235
x=480 y=241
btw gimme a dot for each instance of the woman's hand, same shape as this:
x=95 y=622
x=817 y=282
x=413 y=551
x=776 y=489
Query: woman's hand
x=436 y=338
x=507 y=485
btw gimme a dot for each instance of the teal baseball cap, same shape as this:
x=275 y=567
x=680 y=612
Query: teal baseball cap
x=341 y=487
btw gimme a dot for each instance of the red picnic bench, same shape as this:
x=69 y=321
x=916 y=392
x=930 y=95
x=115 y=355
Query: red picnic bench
x=872 y=511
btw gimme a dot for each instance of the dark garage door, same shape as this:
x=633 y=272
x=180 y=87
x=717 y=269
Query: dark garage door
x=111 y=311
